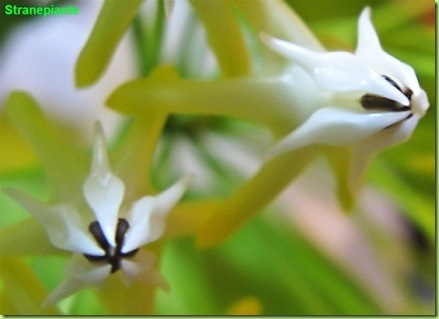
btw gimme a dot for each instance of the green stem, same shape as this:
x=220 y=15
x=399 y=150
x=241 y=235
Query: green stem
x=268 y=183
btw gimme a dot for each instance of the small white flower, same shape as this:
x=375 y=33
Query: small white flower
x=371 y=98
x=105 y=238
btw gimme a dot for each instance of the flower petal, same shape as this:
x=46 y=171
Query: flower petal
x=147 y=217
x=141 y=268
x=61 y=222
x=80 y=274
x=336 y=127
x=103 y=190
x=338 y=71
x=369 y=51
x=363 y=151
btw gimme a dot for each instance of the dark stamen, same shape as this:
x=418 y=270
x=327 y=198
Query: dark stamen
x=98 y=234
x=391 y=81
x=112 y=256
x=121 y=230
x=407 y=92
x=376 y=102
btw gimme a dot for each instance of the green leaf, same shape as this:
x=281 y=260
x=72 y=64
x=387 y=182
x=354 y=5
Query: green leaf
x=259 y=191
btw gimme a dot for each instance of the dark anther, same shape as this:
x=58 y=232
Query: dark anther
x=391 y=81
x=113 y=255
x=121 y=230
x=376 y=102
x=94 y=258
x=96 y=230
x=407 y=92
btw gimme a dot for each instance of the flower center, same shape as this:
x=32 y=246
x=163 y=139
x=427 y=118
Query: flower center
x=375 y=102
x=113 y=255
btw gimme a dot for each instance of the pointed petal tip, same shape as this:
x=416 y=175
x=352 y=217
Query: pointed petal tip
x=103 y=190
x=288 y=49
x=366 y=13
x=335 y=127
x=169 y=197
x=148 y=214
x=100 y=161
x=367 y=35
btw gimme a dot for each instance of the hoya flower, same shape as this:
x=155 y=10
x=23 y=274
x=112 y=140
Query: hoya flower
x=105 y=237
x=372 y=94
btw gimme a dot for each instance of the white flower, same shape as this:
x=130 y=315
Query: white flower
x=369 y=97
x=106 y=238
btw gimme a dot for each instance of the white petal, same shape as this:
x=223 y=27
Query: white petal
x=370 y=52
x=80 y=274
x=337 y=71
x=147 y=216
x=367 y=36
x=103 y=190
x=364 y=150
x=62 y=224
x=139 y=219
x=132 y=268
x=69 y=232
x=336 y=127
x=141 y=269
x=420 y=103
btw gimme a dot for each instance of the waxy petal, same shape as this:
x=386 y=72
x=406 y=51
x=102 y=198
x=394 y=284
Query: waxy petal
x=367 y=36
x=140 y=224
x=336 y=127
x=365 y=149
x=337 y=71
x=147 y=217
x=62 y=224
x=370 y=52
x=103 y=190
x=141 y=268
x=80 y=274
